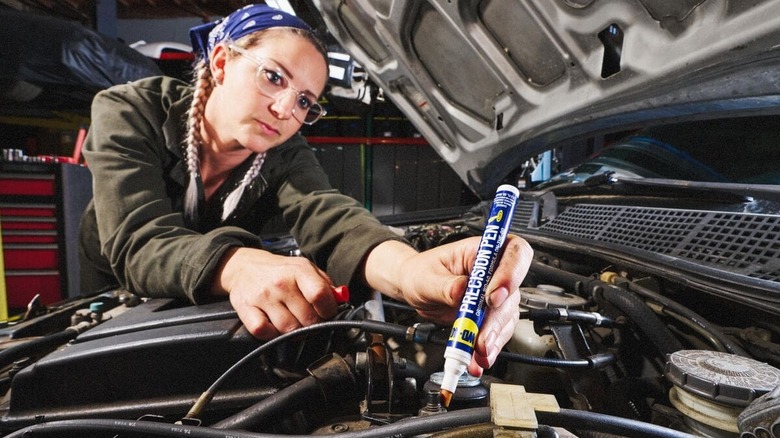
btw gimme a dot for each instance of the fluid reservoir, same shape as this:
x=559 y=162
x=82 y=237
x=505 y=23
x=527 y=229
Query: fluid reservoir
x=526 y=341
x=471 y=391
x=712 y=388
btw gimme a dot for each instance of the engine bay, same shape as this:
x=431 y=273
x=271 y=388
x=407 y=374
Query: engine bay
x=600 y=348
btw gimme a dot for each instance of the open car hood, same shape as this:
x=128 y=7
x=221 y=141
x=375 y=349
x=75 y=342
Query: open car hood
x=490 y=83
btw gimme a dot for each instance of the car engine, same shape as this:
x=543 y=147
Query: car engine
x=606 y=345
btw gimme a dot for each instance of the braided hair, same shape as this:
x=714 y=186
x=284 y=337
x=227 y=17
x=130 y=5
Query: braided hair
x=204 y=84
x=247 y=25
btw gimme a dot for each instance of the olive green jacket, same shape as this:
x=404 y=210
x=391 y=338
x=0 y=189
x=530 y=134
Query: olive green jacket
x=134 y=234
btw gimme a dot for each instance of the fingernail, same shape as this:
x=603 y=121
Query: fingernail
x=497 y=297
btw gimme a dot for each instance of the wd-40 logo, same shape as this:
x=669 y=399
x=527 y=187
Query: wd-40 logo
x=464 y=331
x=497 y=217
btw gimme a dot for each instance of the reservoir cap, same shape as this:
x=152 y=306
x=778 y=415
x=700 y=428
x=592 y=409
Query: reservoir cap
x=721 y=377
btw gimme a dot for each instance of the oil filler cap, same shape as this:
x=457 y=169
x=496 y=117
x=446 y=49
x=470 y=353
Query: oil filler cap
x=721 y=377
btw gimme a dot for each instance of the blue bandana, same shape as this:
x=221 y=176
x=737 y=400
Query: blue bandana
x=242 y=22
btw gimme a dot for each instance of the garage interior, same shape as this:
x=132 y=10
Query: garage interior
x=369 y=151
x=641 y=136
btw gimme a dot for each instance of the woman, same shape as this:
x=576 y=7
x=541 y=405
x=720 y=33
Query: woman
x=186 y=176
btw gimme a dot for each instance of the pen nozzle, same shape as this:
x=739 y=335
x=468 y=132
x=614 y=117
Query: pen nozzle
x=446 y=397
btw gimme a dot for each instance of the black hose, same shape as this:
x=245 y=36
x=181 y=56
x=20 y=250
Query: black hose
x=596 y=361
x=330 y=382
x=566 y=418
x=37 y=346
x=290 y=399
x=628 y=302
x=426 y=334
x=128 y=428
x=384 y=328
x=650 y=324
x=573 y=420
x=568 y=315
x=692 y=316
x=559 y=276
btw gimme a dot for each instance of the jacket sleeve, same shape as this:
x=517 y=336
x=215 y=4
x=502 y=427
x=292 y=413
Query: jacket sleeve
x=145 y=240
x=332 y=229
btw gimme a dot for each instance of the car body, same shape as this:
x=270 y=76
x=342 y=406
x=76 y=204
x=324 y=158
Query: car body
x=652 y=302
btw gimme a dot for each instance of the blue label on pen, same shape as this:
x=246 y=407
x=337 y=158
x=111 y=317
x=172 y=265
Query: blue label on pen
x=472 y=309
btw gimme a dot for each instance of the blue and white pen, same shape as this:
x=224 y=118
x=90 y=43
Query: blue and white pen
x=463 y=336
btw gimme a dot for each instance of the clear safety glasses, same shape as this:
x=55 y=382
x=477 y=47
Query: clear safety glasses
x=272 y=82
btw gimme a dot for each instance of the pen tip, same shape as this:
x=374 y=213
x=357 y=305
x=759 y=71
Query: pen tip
x=446 y=397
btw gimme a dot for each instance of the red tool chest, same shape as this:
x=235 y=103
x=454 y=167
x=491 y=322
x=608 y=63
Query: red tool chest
x=40 y=206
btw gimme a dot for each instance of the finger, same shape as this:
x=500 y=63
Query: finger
x=317 y=292
x=267 y=313
x=512 y=268
x=257 y=323
x=486 y=356
x=497 y=329
x=453 y=288
x=290 y=315
x=309 y=302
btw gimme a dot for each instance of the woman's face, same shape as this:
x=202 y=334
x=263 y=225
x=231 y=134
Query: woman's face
x=241 y=115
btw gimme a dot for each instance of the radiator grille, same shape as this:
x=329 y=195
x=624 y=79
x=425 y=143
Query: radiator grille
x=746 y=244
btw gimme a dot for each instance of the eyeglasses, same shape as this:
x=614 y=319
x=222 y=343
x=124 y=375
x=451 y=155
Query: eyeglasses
x=272 y=82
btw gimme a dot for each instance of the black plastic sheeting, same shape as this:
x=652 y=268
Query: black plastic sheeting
x=49 y=64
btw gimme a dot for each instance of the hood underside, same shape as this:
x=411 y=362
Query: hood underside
x=490 y=83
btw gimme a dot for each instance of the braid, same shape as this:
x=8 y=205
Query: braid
x=231 y=202
x=203 y=87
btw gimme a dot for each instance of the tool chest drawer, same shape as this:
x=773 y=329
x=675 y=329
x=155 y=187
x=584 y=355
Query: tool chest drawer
x=15 y=183
x=40 y=207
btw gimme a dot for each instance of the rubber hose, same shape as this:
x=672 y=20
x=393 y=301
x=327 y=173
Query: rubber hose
x=690 y=315
x=596 y=361
x=573 y=420
x=627 y=301
x=636 y=309
x=569 y=315
x=385 y=328
x=35 y=346
x=290 y=399
x=559 y=276
x=566 y=418
x=129 y=428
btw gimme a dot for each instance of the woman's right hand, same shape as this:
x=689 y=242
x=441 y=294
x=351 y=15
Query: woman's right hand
x=274 y=294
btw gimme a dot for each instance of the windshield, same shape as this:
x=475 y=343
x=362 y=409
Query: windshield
x=740 y=150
